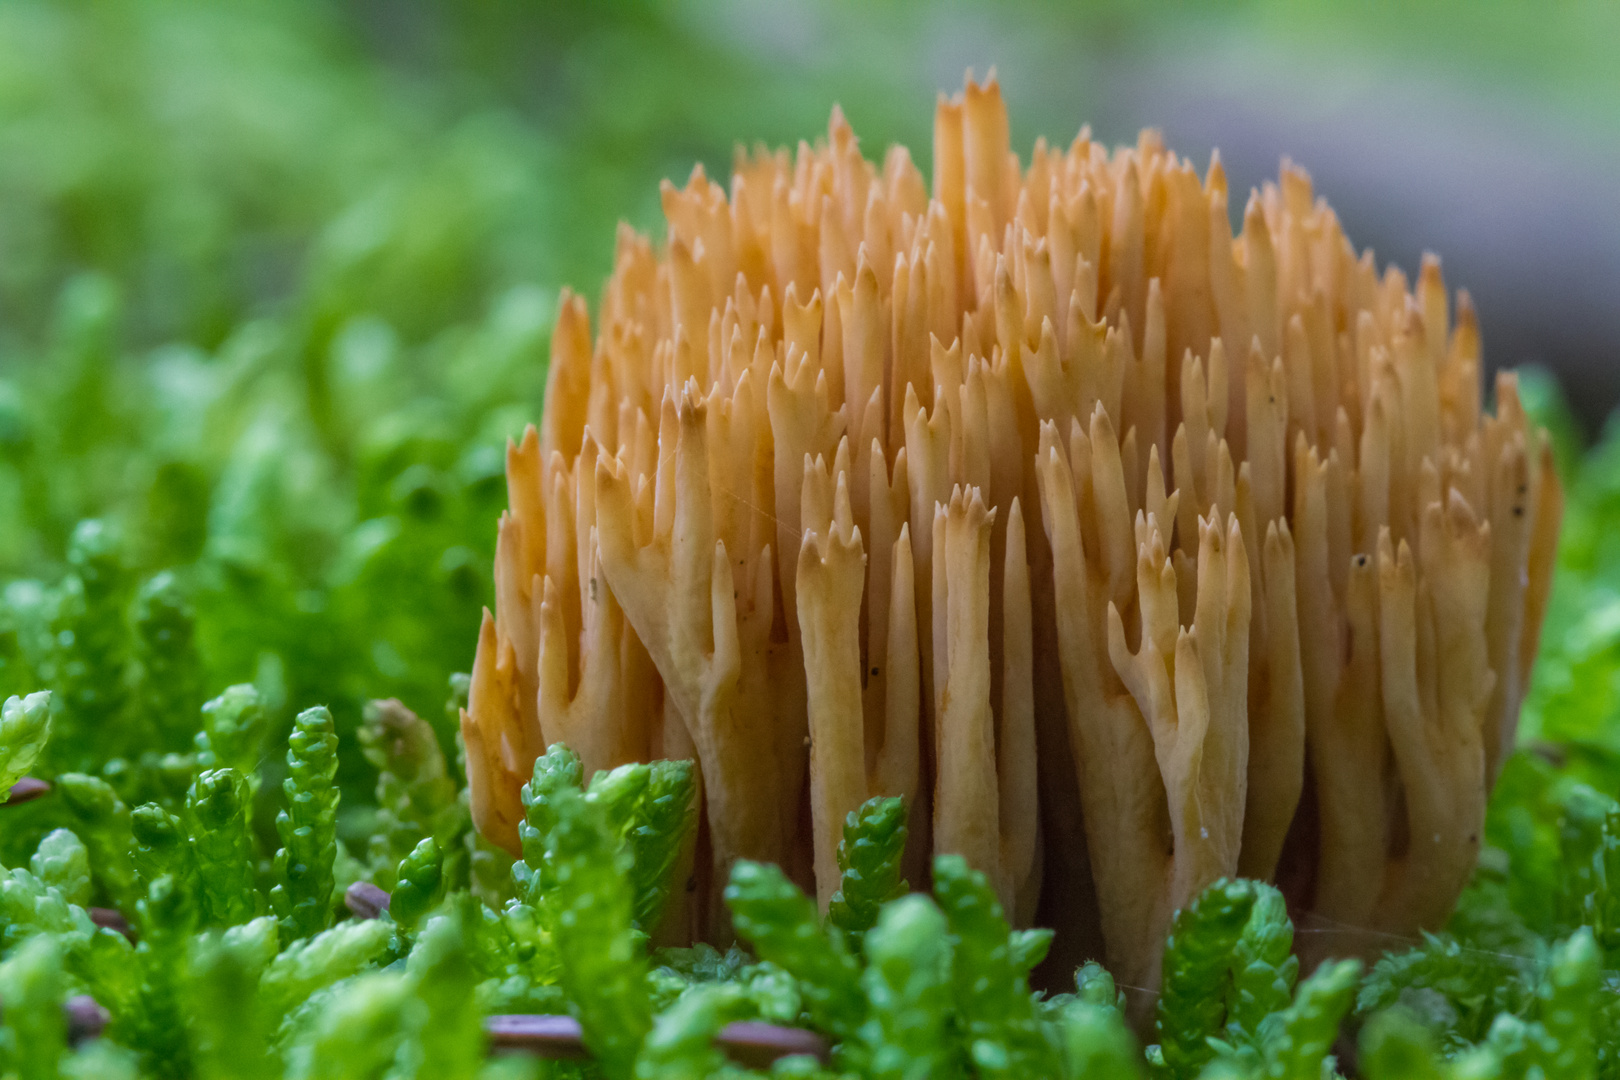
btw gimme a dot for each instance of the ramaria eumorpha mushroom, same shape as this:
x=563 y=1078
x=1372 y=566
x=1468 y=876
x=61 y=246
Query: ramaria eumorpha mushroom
x=1133 y=552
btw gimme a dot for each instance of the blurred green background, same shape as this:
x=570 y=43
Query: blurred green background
x=276 y=278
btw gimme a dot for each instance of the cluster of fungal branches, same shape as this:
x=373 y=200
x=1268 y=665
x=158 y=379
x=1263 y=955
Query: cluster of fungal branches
x=1132 y=552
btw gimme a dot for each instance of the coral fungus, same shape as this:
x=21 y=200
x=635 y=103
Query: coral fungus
x=1132 y=552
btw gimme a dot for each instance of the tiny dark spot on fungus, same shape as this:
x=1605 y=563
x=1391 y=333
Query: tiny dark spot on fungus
x=1518 y=511
x=1361 y=560
x=874 y=672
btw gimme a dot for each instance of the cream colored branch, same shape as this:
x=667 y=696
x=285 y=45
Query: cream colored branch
x=1018 y=818
x=1435 y=716
x=489 y=728
x=831 y=577
x=966 y=800
x=1276 y=772
x=677 y=591
x=1125 y=814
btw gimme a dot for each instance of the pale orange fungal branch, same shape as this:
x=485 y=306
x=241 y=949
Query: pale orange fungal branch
x=1133 y=551
x=831 y=576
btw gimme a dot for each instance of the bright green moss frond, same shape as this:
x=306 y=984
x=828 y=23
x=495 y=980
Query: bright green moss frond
x=680 y=1045
x=308 y=827
x=556 y=770
x=779 y=922
x=1097 y=1045
x=415 y=795
x=222 y=847
x=25 y=725
x=1475 y=984
x=306 y=966
x=33 y=1037
x=420 y=877
x=160 y=844
x=104 y=823
x=168 y=687
x=1264 y=968
x=229 y=1026
x=91 y=647
x=440 y=968
x=604 y=961
x=1567 y=1003
x=62 y=862
x=991 y=976
x=360 y=1032
x=869 y=858
x=233 y=730
x=909 y=1032
x=1395 y=1046
x=1295 y=1041
x=1198 y=958
x=660 y=833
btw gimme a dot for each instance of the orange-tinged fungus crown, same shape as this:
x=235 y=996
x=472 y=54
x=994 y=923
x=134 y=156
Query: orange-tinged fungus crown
x=1037 y=496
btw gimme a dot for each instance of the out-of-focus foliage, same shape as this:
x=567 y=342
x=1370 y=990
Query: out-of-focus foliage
x=25 y=723
x=1574 y=698
x=267 y=310
x=276 y=282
